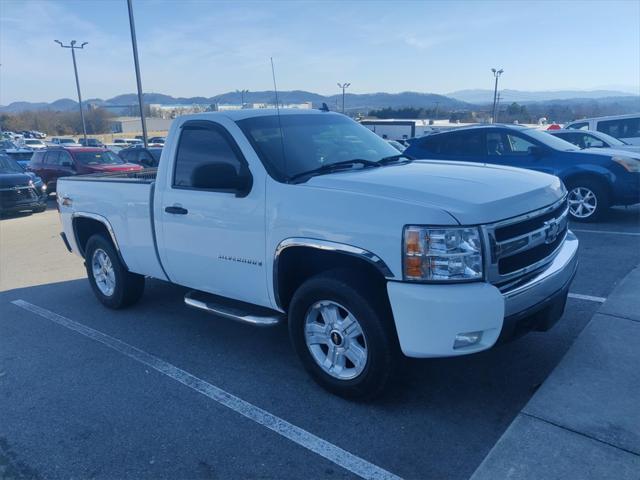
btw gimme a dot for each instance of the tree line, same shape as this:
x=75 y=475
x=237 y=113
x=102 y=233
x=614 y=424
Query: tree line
x=97 y=120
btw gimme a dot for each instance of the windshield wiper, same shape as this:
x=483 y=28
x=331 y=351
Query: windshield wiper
x=333 y=167
x=394 y=158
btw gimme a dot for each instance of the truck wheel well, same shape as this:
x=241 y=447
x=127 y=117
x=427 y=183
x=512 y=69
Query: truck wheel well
x=298 y=264
x=84 y=228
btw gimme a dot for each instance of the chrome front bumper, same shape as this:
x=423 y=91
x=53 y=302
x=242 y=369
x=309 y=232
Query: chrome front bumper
x=544 y=285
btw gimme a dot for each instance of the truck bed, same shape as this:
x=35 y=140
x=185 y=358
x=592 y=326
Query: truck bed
x=124 y=202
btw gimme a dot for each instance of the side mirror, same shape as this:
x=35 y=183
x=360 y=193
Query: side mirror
x=221 y=176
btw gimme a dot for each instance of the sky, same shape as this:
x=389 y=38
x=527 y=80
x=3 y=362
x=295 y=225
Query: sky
x=206 y=47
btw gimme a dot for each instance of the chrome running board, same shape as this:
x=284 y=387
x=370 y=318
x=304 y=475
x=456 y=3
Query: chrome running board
x=234 y=310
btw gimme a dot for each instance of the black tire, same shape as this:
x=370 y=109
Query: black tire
x=601 y=194
x=129 y=287
x=371 y=309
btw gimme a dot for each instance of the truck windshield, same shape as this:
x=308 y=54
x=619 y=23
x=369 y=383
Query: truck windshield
x=312 y=141
x=104 y=157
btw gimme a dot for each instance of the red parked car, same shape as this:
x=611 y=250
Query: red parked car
x=53 y=163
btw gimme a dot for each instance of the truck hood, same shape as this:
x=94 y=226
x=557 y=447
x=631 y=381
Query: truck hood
x=8 y=180
x=471 y=193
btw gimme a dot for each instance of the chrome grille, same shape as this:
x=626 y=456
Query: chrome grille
x=520 y=246
x=17 y=195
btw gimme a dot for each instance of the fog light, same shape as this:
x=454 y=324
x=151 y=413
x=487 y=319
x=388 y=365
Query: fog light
x=467 y=339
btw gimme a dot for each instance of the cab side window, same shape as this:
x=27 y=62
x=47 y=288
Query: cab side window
x=518 y=145
x=52 y=158
x=65 y=159
x=208 y=159
x=621 y=128
x=495 y=145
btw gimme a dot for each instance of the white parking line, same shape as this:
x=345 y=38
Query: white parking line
x=331 y=452
x=609 y=232
x=590 y=298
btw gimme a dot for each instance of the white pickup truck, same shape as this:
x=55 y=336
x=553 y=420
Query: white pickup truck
x=312 y=219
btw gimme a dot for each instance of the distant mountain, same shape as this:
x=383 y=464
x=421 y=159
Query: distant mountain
x=484 y=96
x=353 y=102
x=461 y=100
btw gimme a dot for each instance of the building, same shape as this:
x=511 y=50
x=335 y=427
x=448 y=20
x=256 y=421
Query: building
x=237 y=106
x=134 y=125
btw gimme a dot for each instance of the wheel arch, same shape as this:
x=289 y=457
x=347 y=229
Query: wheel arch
x=590 y=175
x=297 y=259
x=87 y=224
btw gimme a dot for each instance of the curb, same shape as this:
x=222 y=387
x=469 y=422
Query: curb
x=584 y=421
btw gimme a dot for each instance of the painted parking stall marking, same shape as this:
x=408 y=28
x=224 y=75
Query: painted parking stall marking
x=590 y=298
x=305 y=439
x=606 y=232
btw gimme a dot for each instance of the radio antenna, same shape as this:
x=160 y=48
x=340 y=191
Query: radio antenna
x=275 y=89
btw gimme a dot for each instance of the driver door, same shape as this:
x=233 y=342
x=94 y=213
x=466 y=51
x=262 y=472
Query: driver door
x=212 y=239
x=515 y=150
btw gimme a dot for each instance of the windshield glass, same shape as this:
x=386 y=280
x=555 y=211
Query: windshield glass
x=7 y=144
x=67 y=140
x=33 y=142
x=9 y=165
x=550 y=141
x=613 y=141
x=105 y=157
x=311 y=141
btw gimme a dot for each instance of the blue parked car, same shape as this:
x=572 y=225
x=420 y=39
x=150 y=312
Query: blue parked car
x=596 y=178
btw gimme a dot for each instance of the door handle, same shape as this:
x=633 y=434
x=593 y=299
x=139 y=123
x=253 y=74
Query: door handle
x=176 y=210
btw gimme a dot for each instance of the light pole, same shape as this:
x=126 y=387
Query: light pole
x=73 y=48
x=134 y=44
x=496 y=74
x=343 y=86
x=242 y=92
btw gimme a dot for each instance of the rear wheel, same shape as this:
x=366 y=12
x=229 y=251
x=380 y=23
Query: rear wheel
x=343 y=334
x=588 y=200
x=111 y=282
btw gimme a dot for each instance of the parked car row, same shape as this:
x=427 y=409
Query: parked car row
x=54 y=163
x=596 y=178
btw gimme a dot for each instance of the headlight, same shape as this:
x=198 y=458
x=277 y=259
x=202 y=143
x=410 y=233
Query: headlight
x=442 y=254
x=628 y=163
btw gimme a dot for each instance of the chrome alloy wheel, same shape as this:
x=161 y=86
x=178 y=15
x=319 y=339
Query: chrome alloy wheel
x=103 y=273
x=582 y=202
x=335 y=339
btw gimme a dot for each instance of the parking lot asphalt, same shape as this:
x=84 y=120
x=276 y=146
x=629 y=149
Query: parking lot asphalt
x=71 y=406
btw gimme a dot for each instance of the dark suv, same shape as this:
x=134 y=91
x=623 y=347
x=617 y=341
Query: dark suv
x=596 y=179
x=18 y=191
x=54 y=163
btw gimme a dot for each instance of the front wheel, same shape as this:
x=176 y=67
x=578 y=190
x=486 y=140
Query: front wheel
x=110 y=280
x=343 y=334
x=588 y=200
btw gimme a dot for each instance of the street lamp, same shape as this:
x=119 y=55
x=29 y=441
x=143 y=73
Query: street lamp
x=343 y=86
x=134 y=45
x=242 y=92
x=73 y=48
x=496 y=74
